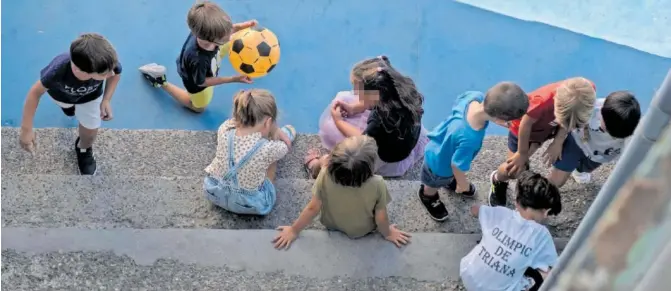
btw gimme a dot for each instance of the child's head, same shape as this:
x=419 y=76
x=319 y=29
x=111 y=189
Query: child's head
x=505 y=102
x=352 y=161
x=378 y=83
x=93 y=57
x=620 y=114
x=536 y=194
x=255 y=108
x=574 y=102
x=208 y=22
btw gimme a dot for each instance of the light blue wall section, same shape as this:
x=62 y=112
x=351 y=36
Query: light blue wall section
x=641 y=24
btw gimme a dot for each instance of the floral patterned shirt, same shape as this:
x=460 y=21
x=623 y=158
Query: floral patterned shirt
x=252 y=174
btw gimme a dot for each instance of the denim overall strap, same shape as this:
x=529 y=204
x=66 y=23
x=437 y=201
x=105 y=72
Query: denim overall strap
x=233 y=169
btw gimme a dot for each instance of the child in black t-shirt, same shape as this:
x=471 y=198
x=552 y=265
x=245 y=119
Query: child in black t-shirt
x=198 y=62
x=74 y=80
x=385 y=105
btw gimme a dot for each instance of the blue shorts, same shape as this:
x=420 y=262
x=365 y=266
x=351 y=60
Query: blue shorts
x=572 y=156
x=432 y=180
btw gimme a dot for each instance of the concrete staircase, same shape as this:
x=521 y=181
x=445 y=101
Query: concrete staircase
x=142 y=222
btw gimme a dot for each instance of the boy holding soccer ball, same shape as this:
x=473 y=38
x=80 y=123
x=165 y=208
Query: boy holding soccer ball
x=198 y=63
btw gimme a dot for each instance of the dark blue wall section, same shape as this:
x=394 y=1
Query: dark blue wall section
x=445 y=46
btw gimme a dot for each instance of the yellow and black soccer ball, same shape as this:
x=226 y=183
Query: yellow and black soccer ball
x=254 y=51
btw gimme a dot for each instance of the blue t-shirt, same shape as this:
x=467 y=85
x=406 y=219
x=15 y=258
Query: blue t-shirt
x=63 y=86
x=454 y=141
x=195 y=64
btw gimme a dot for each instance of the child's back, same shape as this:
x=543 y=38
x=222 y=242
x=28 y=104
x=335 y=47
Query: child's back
x=510 y=244
x=351 y=209
x=514 y=244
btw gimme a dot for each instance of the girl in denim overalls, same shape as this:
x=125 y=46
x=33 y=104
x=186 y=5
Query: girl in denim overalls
x=240 y=178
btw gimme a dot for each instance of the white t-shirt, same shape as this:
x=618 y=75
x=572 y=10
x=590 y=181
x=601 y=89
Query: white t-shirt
x=510 y=244
x=601 y=147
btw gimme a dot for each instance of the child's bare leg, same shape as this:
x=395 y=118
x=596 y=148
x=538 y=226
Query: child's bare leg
x=180 y=95
x=430 y=192
x=271 y=173
x=86 y=137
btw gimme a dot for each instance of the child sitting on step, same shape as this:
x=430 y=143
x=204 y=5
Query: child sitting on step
x=516 y=251
x=350 y=197
x=240 y=178
x=384 y=105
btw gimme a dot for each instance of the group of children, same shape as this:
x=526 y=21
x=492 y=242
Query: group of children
x=372 y=131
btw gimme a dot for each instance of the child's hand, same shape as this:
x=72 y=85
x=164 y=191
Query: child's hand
x=552 y=153
x=397 y=237
x=27 y=140
x=242 y=79
x=336 y=112
x=516 y=164
x=243 y=25
x=106 y=110
x=346 y=109
x=285 y=238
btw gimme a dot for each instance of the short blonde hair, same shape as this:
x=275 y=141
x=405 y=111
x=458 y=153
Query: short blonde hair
x=251 y=106
x=574 y=103
x=209 y=22
x=352 y=161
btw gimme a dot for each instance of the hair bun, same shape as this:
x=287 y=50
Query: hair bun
x=383 y=57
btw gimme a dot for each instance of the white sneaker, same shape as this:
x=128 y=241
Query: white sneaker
x=154 y=73
x=581 y=178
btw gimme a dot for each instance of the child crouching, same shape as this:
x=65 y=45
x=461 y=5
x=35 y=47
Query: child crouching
x=516 y=251
x=240 y=178
x=350 y=197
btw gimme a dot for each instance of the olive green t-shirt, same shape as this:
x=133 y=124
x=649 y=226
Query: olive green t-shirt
x=349 y=209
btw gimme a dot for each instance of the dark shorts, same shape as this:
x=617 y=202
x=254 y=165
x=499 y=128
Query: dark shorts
x=573 y=157
x=432 y=180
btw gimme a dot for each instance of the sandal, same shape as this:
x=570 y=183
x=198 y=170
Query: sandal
x=312 y=155
x=290 y=131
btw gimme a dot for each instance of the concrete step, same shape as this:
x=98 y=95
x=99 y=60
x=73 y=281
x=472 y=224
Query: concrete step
x=166 y=153
x=174 y=259
x=144 y=202
x=137 y=152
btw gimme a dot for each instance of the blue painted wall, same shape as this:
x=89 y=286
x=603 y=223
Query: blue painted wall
x=447 y=47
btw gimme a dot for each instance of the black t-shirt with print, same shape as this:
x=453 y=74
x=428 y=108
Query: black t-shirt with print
x=195 y=64
x=395 y=140
x=63 y=86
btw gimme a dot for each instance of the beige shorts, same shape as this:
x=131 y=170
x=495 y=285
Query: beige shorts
x=88 y=114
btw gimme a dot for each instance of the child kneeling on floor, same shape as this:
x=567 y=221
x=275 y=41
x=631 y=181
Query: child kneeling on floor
x=516 y=251
x=350 y=197
x=240 y=178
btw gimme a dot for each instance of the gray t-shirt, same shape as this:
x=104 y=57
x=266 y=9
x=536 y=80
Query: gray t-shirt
x=63 y=86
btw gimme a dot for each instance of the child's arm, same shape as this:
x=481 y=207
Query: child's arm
x=27 y=137
x=215 y=81
x=345 y=128
x=517 y=163
x=390 y=232
x=289 y=233
x=553 y=152
x=106 y=106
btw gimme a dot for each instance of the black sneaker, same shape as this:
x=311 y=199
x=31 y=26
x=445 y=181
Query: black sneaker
x=453 y=187
x=70 y=112
x=433 y=205
x=498 y=193
x=85 y=160
x=154 y=73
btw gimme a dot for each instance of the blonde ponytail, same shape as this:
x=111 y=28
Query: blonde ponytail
x=574 y=103
x=251 y=106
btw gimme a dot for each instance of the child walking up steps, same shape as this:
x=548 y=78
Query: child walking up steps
x=240 y=178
